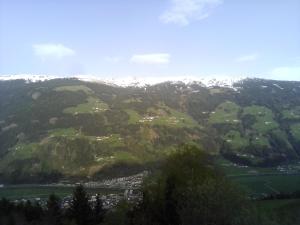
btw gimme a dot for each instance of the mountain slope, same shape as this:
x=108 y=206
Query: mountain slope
x=72 y=128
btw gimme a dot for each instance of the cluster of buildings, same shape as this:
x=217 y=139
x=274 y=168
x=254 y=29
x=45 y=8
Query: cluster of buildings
x=101 y=138
x=123 y=188
x=124 y=183
x=174 y=120
x=108 y=200
x=171 y=120
x=148 y=119
x=289 y=169
x=229 y=164
x=245 y=155
x=97 y=109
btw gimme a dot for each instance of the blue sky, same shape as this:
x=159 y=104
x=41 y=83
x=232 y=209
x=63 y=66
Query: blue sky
x=142 y=38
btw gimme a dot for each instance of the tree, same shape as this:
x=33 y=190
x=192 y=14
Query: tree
x=189 y=190
x=53 y=212
x=5 y=207
x=80 y=209
x=119 y=215
x=171 y=203
x=33 y=211
x=98 y=210
x=11 y=220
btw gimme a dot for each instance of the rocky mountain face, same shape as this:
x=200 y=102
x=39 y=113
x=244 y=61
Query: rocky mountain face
x=69 y=128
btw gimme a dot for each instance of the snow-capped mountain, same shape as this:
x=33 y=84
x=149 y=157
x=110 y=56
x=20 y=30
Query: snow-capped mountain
x=131 y=81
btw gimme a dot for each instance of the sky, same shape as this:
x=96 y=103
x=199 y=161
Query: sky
x=157 y=38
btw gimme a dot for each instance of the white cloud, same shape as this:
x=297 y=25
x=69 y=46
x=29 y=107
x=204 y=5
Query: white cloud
x=247 y=58
x=155 y=58
x=182 y=12
x=56 y=51
x=111 y=59
x=286 y=73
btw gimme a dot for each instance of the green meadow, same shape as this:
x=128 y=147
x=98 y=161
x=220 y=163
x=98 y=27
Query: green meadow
x=32 y=192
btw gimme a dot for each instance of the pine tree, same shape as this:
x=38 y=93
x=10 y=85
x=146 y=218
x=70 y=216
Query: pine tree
x=54 y=212
x=11 y=220
x=171 y=215
x=80 y=210
x=33 y=212
x=98 y=210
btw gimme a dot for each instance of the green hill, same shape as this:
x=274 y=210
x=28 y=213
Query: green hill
x=67 y=128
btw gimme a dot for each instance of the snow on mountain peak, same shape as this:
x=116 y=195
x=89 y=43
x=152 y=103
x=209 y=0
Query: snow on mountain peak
x=131 y=81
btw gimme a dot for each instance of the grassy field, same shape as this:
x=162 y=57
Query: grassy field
x=270 y=205
x=261 y=141
x=113 y=141
x=264 y=118
x=269 y=184
x=284 y=211
x=132 y=100
x=93 y=105
x=19 y=151
x=86 y=153
x=28 y=192
x=179 y=119
x=235 y=140
x=75 y=88
x=291 y=114
x=295 y=131
x=229 y=113
x=259 y=181
x=134 y=117
x=214 y=91
x=63 y=132
x=162 y=115
x=226 y=112
x=232 y=169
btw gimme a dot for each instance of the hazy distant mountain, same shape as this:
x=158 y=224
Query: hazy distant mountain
x=72 y=128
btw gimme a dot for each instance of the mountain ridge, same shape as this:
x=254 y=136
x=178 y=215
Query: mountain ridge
x=72 y=128
x=129 y=81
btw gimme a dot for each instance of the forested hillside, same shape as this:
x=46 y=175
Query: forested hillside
x=67 y=128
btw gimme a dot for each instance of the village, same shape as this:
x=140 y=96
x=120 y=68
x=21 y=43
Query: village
x=122 y=188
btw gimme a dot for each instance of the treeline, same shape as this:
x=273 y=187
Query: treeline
x=80 y=211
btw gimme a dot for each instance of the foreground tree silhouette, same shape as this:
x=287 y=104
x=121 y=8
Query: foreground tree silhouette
x=33 y=212
x=80 y=210
x=189 y=190
x=53 y=211
x=98 y=212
